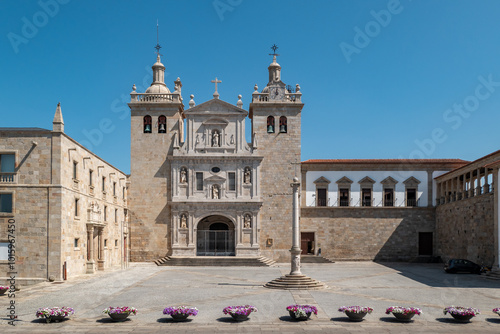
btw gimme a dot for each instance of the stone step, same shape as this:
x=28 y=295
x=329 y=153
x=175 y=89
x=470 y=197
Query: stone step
x=494 y=275
x=222 y=261
x=314 y=259
x=295 y=282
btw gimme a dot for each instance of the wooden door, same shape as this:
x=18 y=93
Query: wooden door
x=307 y=242
x=425 y=243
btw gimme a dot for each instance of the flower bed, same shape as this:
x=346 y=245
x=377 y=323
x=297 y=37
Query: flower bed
x=496 y=310
x=3 y=289
x=301 y=312
x=460 y=313
x=54 y=313
x=356 y=309
x=403 y=310
x=240 y=310
x=180 y=310
x=120 y=310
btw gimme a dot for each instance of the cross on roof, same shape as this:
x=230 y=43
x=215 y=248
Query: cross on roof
x=216 y=81
x=274 y=48
x=157 y=47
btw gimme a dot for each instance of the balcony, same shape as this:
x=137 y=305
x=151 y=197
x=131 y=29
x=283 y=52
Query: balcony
x=155 y=98
x=8 y=178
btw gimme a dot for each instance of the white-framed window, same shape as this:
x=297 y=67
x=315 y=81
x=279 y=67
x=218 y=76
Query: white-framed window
x=4 y=251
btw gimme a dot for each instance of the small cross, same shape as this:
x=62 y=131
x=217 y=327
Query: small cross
x=216 y=94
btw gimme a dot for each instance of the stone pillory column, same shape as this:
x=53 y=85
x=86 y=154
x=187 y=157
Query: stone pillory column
x=295 y=280
x=295 y=251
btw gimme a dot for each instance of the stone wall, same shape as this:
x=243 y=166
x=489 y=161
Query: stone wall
x=465 y=229
x=383 y=234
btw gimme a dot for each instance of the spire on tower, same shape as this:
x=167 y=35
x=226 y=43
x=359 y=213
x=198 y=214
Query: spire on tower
x=158 y=46
x=58 y=122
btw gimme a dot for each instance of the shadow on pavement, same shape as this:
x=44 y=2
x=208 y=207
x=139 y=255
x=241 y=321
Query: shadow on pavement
x=170 y=320
x=43 y=321
x=229 y=320
x=451 y=321
x=493 y=320
x=433 y=274
x=111 y=321
x=394 y=320
x=342 y=319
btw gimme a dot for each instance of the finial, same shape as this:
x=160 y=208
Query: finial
x=134 y=88
x=216 y=93
x=191 y=102
x=59 y=104
x=274 y=54
x=255 y=88
x=297 y=88
x=157 y=47
x=239 y=104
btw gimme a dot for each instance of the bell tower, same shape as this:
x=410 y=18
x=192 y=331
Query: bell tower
x=276 y=130
x=156 y=128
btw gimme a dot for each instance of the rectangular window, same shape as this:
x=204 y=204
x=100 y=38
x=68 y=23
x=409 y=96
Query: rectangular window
x=76 y=207
x=4 y=251
x=6 y=203
x=199 y=181
x=388 y=197
x=116 y=215
x=7 y=163
x=321 y=197
x=123 y=192
x=116 y=242
x=105 y=213
x=232 y=181
x=75 y=170
x=105 y=243
x=411 y=197
x=76 y=242
x=103 y=184
x=91 y=179
x=366 y=197
x=344 y=197
x=114 y=188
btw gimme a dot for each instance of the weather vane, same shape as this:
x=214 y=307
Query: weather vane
x=157 y=47
x=274 y=48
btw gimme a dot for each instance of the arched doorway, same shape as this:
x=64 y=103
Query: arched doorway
x=215 y=237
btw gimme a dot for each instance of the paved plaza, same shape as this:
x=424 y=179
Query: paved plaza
x=150 y=289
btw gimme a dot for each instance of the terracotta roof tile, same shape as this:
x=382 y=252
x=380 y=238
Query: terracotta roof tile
x=385 y=161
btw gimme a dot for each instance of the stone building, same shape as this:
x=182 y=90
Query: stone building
x=69 y=207
x=198 y=189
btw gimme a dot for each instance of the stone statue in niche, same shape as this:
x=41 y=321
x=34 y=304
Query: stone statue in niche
x=247 y=221
x=215 y=139
x=231 y=141
x=183 y=221
x=197 y=139
x=183 y=178
x=215 y=192
x=247 y=176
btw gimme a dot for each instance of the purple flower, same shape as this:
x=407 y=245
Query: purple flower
x=460 y=310
x=356 y=309
x=178 y=310
x=240 y=310
x=403 y=310
x=120 y=310
x=302 y=310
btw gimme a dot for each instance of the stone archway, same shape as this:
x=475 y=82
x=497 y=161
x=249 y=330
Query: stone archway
x=215 y=236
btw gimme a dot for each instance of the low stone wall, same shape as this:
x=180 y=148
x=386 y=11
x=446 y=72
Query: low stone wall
x=383 y=234
x=465 y=229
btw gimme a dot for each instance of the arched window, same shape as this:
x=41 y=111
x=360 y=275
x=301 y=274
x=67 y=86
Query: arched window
x=147 y=124
x=162 y=124
x=270 y=124
x=282 y=124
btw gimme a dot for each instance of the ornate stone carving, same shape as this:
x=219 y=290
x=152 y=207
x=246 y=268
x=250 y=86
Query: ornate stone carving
x=247 y=221
x=215 y=192
x=183 y=177
x=183 y=221
x=247 y=178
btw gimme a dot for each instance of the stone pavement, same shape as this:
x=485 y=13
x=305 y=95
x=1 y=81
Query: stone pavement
x=150 y=289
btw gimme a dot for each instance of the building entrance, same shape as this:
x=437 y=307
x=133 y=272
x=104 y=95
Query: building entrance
x=215 y=237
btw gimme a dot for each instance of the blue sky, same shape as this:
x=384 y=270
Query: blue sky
x=380 y=79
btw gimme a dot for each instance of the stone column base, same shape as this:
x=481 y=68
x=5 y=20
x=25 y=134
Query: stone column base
x=100 y=264
x=91 y=269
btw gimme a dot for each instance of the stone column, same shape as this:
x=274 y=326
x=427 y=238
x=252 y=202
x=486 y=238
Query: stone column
x=430 y=183
x=478 y=188
x=100 y=255
x=486 y=187
x=295 y=251
x=90 y=250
